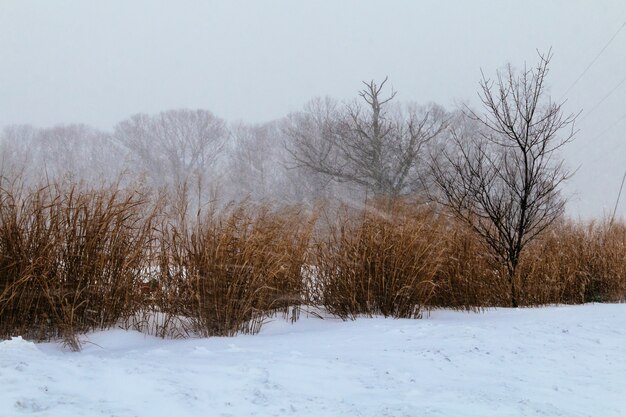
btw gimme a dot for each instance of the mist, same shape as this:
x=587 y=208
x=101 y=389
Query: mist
x=75 y=75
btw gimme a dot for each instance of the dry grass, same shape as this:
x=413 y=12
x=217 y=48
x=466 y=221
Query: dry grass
x=469 y=277
x=232 y=269
x=377 y=262
x=576 y=263
x=571 y=263
x=70 y=261
x=75 y=260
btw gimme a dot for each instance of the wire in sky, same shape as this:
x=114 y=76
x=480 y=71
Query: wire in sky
x=595 y=59
x=621 y=187
x=609 y=128
x=592 y=141
x=604 y=98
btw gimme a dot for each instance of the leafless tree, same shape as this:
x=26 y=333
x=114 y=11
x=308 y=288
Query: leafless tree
x=254 y=166
x=370 y=143
x=16 y=155
x=75 y=152
x=78 y=153
x=502 y=175
x=174 y=147
x=258 y=167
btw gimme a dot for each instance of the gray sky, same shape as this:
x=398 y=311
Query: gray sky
x=97 y=62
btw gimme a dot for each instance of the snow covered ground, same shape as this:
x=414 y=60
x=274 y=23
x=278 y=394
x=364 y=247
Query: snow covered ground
x=557 y=361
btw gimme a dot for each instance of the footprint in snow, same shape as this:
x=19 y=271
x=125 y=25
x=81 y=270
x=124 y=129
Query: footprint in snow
x=201 y=351
x=30 y=405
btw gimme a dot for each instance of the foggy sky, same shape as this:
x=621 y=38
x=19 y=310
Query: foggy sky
x=99 y=62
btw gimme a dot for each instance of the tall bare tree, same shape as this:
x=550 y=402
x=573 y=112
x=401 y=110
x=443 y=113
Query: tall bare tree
x=173 y=147
x=78 y=153
x=254 y=168
x=502 y=175
x=370 y=143
x=258 y=167
x=74 y=152
x=16 y=151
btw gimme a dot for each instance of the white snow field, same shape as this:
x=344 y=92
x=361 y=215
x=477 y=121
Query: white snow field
x=556 y=361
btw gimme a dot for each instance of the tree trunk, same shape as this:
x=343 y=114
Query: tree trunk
x=513 y=288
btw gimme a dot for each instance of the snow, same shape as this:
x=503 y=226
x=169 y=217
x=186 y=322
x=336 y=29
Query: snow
x=555 y=361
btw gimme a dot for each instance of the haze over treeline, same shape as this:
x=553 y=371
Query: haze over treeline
x=326 y=150
x=253 y=69
x=373 y=145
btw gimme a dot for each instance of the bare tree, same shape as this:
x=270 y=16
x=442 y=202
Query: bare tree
x=254 y=165
x=371 y=143
x=75 y=152
x=258 y=167
x=16 y=156
x=502 y=175
x=78 y=153
x=173 y=147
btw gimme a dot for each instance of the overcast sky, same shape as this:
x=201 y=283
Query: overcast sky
x=97 y=62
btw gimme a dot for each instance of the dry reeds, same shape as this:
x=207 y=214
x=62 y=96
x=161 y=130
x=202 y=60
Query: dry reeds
x=73 y=260
x=569 y=263
x=377 y=262
x=230 y=270
x=469 y=278
x=70 y=261
x=576 y=263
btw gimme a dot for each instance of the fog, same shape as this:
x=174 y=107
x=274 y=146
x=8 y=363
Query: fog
x=252 y=62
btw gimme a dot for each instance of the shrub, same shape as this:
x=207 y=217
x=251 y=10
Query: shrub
x=377 y=262
x=232 y=269
x=70 y=260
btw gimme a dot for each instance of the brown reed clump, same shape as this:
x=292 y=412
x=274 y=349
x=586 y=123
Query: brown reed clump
x=606 y=263
x=232 y=269
x=576 y=263
x=377 y=262
x=469 y=277
x=73 y=260
x=70 y=260
x=570 y=263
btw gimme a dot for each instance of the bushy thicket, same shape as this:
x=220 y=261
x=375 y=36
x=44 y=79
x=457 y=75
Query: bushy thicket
x=70 y=260
x=226 y=271
x=74 y=260
x=380 y=260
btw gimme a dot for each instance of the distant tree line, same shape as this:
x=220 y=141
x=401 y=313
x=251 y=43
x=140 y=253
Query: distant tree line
x=496 y=168
x=370 y=146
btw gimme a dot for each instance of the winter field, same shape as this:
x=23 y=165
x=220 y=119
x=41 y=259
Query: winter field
x=554 y=361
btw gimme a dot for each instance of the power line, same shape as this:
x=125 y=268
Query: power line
x=592 y=141
x=621 y=187
x=603 y=99
x=609 y=128
x=594 y=60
